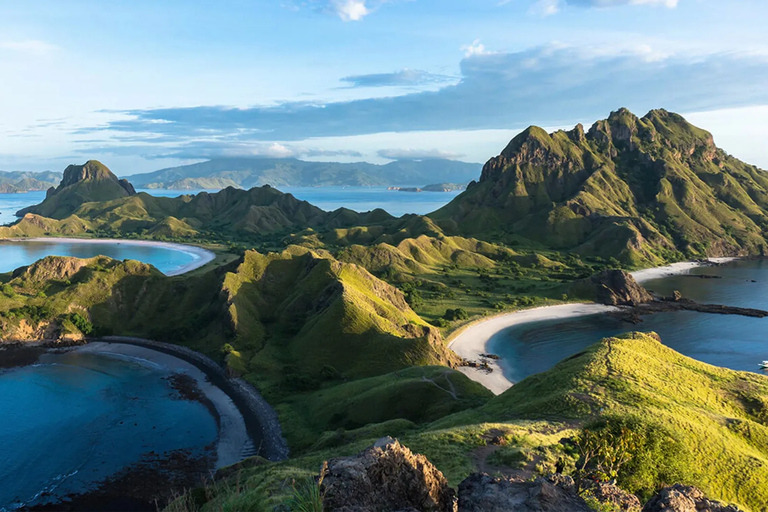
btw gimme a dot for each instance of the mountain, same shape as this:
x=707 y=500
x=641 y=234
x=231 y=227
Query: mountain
x=91 y=199
x=290 y=172
x=643 y=190
x=17 y=182
x=87 y=183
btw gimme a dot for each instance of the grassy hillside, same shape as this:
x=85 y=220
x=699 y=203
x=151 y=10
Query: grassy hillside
x=644 y=190
x=298 y=324
x=290 y=172
x=710 y=427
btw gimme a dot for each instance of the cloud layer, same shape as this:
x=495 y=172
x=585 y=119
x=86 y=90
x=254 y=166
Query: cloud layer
x=402 y=78
x=548 y=86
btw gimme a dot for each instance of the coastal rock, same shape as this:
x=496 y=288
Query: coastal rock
x=683 y=498
x=386 y=476
x=555 y=493
x=612 y=287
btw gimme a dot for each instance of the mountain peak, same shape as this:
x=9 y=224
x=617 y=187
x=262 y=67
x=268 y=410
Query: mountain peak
x=92 y=170
x=86 y=183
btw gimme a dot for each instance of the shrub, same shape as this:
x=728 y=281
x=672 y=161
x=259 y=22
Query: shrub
x=455 y=314
x=8 y=291
x=82 y=324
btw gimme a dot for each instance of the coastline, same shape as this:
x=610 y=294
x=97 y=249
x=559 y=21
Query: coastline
x=233 y=439
x=201 y=256
x=683 y=267
x=472 y=341
x=261 y=420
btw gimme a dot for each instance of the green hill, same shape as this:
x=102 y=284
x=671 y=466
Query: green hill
x=643 y=190
x=694 y=423
x=91 y=182
x=290 y=172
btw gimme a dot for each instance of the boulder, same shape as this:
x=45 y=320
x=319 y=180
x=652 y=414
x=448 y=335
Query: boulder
x=555 y=493
x=612 y=287
x=386 y=476
x=615 y=497
x=683 y=498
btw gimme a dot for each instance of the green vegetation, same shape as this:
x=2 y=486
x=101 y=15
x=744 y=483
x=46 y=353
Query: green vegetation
x=339 y=318
x=644 y=191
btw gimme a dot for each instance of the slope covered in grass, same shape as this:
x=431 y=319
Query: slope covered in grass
x=640 y=189
x=296 y=324
x=714 y=418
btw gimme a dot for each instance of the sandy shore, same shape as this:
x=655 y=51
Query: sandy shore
x=684 y=267
x=200 y=256
x=234 y=440
x=473 y=340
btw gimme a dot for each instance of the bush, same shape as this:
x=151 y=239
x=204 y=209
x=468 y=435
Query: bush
x=82 y=324
x=455 y=314
x=640 y=455
x=8 y=291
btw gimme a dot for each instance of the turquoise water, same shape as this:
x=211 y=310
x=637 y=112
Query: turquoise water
x=75 y=419
x=166 y=259
x=735 y=342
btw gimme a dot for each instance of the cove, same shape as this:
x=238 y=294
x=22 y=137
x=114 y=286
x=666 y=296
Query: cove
x=171 y=259
x=77 y=418
x=735 y=342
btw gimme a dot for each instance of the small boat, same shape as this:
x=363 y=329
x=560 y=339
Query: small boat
x=764 y=365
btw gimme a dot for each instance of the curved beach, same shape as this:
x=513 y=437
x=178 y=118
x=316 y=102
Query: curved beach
x=234 y=442
x=472 y=341
x=199 y=255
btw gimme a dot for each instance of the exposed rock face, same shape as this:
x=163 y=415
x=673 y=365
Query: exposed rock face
x=386 y=476
x=612 y=287
x=556 y=493
x=611 y=495
x=682 y=498
x=91 y=171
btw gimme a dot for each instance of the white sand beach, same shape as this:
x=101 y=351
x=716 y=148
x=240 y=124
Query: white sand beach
x=200 y=256
x=473 y=340
x=683 y=267
x=233 y=434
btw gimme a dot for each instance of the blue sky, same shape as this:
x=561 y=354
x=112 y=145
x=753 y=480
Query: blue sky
x=142 y=84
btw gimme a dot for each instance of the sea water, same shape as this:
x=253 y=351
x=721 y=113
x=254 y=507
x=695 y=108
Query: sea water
x=75 y=419
x=732 y=341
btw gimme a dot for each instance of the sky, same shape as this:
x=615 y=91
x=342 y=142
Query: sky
x=142 y=84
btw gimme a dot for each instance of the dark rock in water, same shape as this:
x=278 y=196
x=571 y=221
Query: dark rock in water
x=612 y=287
x=555 y=493
x=386 y=476
x=683 y=498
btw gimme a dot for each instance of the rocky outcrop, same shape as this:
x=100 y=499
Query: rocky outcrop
x=612 y=287
x=683 y=498
x=386 y=476
x=615 y=497
x=556 y=493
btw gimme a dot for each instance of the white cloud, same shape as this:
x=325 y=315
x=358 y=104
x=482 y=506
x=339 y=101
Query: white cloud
x=350 y=10
x=546 y=7
x=476 y=48
x=29 y=46
x=418 y=154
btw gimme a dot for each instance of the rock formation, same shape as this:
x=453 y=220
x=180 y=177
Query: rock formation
x=612 y=287
x=682 y=498
x=556 y=493
x=386 y=476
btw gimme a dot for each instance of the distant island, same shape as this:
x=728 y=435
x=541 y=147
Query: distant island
x=18 y=182
x=437 y=187
x=247 y=173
